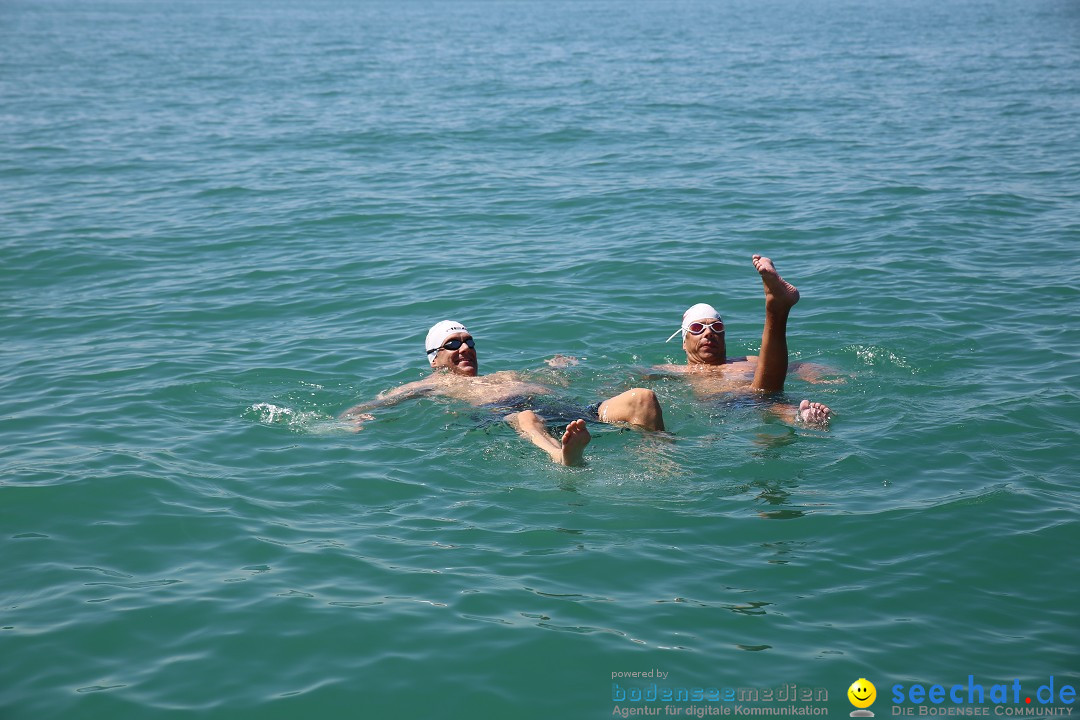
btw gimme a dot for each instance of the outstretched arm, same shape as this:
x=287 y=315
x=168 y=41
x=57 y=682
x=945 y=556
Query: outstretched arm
x=358 y=413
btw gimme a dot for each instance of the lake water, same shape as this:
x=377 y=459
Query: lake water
x=223 y=223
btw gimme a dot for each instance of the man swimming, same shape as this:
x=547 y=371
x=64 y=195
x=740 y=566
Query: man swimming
x=711 y=372
x=451 y=352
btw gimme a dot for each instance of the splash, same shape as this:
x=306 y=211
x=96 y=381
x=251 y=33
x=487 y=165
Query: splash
x=271 y=414
x=296 y=420
x=871 y=355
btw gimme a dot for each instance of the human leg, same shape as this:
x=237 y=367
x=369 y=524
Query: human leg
x=570 y=451
x=637 y=407
x=780 y=297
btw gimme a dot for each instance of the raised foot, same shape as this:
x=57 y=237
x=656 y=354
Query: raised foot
x=813 y=413
x=574 y=441
x=779 y=293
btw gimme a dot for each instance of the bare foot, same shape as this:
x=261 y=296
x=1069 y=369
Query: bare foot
x=570 y=451
x=778 y=292
x=813 y=413
x=574 y=441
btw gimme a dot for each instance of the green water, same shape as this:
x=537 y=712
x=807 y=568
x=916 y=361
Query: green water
x=223 y=223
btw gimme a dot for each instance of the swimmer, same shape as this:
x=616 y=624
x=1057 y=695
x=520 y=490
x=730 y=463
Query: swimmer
x=451 y=353
x=711 y=372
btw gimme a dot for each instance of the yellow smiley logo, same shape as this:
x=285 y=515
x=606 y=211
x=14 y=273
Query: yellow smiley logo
x=862 y=693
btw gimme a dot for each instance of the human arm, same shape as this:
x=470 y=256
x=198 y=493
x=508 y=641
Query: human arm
x=357 y=414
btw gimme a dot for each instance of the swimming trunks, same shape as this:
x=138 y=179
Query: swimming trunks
x=735 y=401
x=554 y=411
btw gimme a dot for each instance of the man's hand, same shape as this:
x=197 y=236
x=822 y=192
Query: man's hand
x=561 y=361
x=356 y=422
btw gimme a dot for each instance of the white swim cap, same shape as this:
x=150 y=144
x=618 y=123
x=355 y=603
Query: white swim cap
x=701 y=311
x=438 y=333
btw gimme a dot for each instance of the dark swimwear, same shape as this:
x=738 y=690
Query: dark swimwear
x=738 y=401
x=555 y=412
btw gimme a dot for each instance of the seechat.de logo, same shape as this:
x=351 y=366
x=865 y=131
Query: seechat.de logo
x=862 y=695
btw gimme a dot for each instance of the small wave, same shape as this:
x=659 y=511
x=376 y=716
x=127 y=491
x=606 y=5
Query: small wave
x=307 y=421
x=872 y=355
x=271 y=414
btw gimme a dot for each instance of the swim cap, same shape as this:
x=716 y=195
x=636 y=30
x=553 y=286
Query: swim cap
x=701 y=311
x=438 y=333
